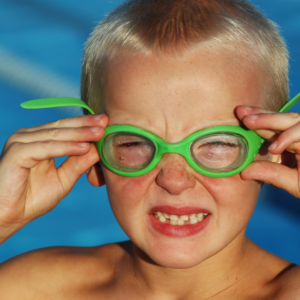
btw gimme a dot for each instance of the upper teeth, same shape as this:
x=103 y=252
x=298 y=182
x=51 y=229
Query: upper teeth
x=180 y=220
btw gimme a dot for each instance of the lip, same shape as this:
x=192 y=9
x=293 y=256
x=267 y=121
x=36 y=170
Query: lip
x=176 y=230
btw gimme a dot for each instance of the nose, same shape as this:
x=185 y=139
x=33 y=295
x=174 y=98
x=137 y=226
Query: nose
x=175 y=175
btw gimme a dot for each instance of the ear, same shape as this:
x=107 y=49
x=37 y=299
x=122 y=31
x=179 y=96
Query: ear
x=95 y=175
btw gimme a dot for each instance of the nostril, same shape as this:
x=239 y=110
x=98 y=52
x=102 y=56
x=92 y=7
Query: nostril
x=175 y=178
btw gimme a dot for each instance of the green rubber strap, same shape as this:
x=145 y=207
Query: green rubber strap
x=67 y=101
x=290 y=104
x=55 y=102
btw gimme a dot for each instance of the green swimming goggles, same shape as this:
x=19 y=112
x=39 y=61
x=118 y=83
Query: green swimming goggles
x=130 y=151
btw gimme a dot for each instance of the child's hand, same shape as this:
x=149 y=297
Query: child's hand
x=30 y=183
x=283 y=131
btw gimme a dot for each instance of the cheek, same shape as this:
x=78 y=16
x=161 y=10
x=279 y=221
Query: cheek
x=235 y=202
x=127 y=197
x=126 y=194
x=235 y=198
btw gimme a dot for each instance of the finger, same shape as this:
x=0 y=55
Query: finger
x=82 y=121
x=271 y=121
x=274 y=174
x=288 y=140
x=77 y=134
x=243 y=111
x=253 y=118
x=22 y=135
x=74 y=166
x=287 y=123
x=29 y=155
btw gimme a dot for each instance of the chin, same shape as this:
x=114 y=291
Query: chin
x=173 y=256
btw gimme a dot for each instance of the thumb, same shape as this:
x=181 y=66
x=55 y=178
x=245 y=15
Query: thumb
x=275 y=174
x=74 y=166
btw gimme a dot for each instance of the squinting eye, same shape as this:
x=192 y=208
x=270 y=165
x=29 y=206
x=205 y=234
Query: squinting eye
x=128 y=151
x=132 y=154
x=219 y=151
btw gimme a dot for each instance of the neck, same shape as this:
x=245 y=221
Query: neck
x=212 y=276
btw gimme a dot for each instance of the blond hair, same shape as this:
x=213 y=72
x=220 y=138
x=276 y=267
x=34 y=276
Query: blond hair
x=158 y=25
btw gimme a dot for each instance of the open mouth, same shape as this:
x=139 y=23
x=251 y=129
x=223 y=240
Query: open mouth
x=180 y=220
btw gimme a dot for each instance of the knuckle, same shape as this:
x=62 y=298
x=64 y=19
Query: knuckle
x=9 y=141
x=54 y=132
x=294 y=115
x=57 y=123
x=15 y=136
x=48 y=143
x=14 y=148
x=16 y=145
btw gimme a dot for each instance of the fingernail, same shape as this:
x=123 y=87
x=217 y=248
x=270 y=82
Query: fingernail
x=275 y=158
x=248 y=107
x=253 y=117
x=84 y=145
x=273 y=146
x=95 y=129
x=98 y=117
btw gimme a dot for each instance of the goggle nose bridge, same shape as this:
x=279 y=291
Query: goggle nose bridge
x=182 y=148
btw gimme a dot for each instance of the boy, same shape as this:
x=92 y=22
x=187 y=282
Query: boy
x=172 y=68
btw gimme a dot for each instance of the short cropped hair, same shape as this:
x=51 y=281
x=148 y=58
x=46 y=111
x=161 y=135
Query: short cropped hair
x=159 y=25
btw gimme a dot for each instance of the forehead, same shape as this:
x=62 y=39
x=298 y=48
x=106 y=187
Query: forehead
x=176 y=94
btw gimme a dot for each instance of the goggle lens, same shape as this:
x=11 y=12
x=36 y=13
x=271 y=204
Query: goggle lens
x=128 y=152
x=220 y=152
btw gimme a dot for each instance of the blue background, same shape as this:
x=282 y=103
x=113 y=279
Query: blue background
x=41 y=45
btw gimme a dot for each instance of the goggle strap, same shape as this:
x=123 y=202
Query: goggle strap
x=68 y=101
x=56 y=102
x=290 y=104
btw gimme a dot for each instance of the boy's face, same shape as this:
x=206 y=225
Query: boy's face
x=174 y=96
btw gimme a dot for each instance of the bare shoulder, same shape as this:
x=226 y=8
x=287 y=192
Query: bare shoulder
x=273 y=277
x=288 y=284
x=60 y=271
